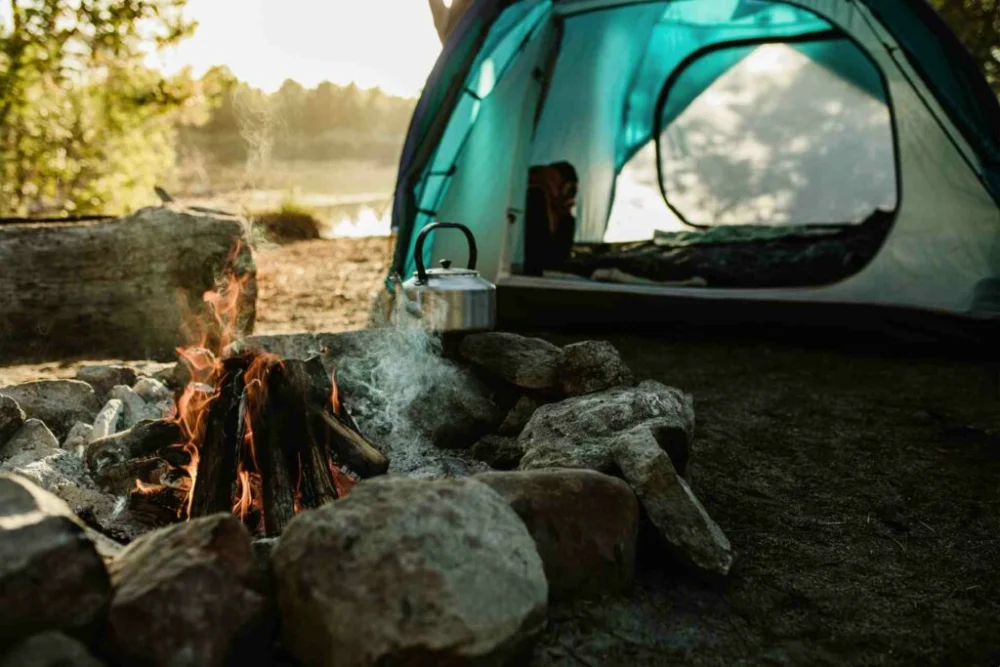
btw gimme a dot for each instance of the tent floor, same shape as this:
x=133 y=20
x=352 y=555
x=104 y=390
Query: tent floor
x=860 y=493
x=567 y=305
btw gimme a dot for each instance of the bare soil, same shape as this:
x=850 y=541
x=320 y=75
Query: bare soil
x=861 y=490
x=862 y=493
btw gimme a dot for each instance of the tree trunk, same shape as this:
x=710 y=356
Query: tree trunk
x=119 y=288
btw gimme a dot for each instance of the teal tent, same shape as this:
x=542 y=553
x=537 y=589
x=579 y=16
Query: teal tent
x=801 y=151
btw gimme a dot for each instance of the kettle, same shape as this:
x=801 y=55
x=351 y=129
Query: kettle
x=451 y=299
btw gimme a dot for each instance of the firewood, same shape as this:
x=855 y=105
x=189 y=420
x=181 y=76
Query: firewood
x=351 y=448
x=157 y=506
x=120 y=478
x=274 y=430
x=216 y=476
x=140 y=441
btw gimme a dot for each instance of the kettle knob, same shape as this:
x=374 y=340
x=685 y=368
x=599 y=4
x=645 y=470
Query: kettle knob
x=445 y=264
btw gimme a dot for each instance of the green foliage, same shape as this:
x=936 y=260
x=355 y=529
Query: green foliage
x=85 y=126
x=977 y=24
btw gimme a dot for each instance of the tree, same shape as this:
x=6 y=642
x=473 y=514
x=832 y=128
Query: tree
x=977 y=24
x=85 y=126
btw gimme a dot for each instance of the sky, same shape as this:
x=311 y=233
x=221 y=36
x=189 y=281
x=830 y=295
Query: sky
x=391 y=44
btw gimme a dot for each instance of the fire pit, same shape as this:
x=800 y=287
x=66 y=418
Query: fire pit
x=354 y=482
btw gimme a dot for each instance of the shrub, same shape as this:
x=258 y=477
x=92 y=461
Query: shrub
x=291 y=222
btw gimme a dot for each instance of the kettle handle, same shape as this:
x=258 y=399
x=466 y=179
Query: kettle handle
x=473 y=253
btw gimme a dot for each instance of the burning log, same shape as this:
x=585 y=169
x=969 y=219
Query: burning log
x=216 y=473
x=120 y=288
x=270 y=441
x=158 y=505
x=142 y=440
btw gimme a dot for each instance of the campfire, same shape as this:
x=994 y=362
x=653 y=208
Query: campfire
x=255 y=435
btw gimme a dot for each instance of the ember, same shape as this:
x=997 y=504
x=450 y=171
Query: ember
x=261 y=437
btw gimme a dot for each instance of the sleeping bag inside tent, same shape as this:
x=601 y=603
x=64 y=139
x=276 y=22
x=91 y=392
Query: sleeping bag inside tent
x=754 y=151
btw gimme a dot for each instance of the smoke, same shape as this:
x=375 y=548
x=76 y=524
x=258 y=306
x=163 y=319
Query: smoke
x=406 y=396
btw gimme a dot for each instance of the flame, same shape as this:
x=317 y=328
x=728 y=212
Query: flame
x=343 y=480
x=147 y=489
x=297 y=496
x=208 y=336
x=244 y=493
x=334 y=393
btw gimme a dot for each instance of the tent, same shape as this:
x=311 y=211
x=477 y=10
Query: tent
x=841 y=156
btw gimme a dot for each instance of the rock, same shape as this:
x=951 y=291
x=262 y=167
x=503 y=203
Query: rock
x=331 y=346
x=497 y=452
x=175 y=376
x=58 y=403
x=51 y=575
x=592 y=366
x=78 y=437
x=49 y=649
x=107 y=420
x=190 y=594
x=529 y=363
x=407 y=396
x=103 y=378
x=518 y=417
x=31 y=442
x=135 y=409
x=446 y=467
x=63 y=474
x=670 y=504
x=584 y=524
x=582 y=432
x=409 y=572
x=11 y=418
x=152 y=390
x=456 y=413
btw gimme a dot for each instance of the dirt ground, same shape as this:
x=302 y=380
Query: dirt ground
x=861 y=491
x=862 y=494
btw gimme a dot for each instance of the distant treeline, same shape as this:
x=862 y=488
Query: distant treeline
x=328 y=122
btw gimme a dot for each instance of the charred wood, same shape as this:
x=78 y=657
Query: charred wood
x=142 y=440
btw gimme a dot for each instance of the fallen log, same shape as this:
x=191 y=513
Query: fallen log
x=121 y=288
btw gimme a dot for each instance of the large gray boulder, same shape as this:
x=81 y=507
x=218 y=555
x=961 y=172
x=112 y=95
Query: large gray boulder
x=188 y=595
x=51 y=575
x=582 y=432
x=644 y=435
x=529 y=363
x=58 y=403
x=584 y=524
x=11 y=418
x=49 y=649
x=410 y=572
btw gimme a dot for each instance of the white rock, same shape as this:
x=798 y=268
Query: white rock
x=78 y=438
x=152 y=390
x=107 y=420
x=136 y=409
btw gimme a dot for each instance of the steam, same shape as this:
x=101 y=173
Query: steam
x=401 y=387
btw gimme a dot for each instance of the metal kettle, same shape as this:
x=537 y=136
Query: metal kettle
x=451 y=299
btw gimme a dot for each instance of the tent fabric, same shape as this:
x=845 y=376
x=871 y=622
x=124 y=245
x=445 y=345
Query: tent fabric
x=467 y=153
